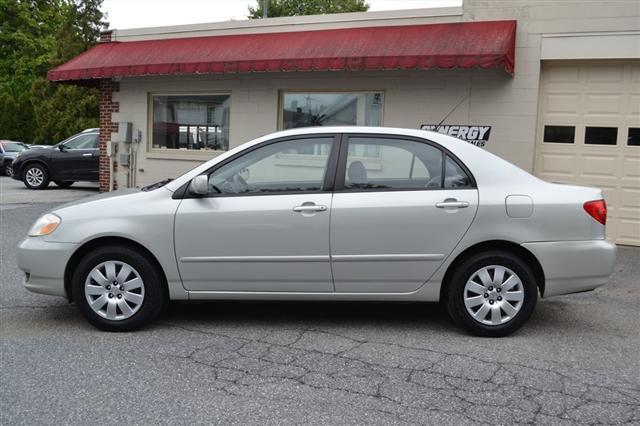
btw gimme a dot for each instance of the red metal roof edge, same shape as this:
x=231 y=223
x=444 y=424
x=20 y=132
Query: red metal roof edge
x=503 y=59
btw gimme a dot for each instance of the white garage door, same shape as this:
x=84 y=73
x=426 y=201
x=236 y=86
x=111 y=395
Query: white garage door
x=589 y=134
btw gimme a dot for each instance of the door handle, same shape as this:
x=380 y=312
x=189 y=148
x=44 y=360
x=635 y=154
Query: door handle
x=87 y=154
x=455 y=204
x=307 y=208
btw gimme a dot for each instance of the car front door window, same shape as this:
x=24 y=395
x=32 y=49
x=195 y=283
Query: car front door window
x=283 y=167
x=88 y=141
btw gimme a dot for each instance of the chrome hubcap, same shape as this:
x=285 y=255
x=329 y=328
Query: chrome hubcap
x=35 y=176
x=114 y=290
x=493 y=295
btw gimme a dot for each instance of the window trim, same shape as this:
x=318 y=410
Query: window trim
x=170 y=153
x=342 y=164
x=329 y=176
x=282 y=92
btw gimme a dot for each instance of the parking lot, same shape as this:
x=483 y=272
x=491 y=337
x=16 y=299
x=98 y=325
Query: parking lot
x=576 y=361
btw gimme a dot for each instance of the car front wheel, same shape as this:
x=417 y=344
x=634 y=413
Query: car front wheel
x=118 y=289
x=492 y=294
x=35 y=176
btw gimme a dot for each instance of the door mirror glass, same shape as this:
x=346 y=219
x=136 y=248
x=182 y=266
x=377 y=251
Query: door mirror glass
x=200 y=185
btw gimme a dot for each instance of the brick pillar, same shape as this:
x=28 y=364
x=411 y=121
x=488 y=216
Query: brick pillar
x=107 y=107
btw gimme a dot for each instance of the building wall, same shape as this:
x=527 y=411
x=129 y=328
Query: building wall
x=509 y=104
x=410 y=99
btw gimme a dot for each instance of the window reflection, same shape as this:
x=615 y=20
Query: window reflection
x=332 y=109
x=192 y=122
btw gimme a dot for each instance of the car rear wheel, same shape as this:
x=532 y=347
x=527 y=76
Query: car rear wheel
x=63 y=184
x=8 y=169
x=118 y=289
x=35 y=176
x=492 y=294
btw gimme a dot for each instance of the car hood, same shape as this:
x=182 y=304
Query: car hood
x=97 y=198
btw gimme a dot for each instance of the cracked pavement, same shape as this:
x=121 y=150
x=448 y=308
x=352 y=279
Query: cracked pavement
x=577 y=361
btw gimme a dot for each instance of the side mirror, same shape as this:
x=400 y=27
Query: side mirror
x=62 y=148
x=199 y=185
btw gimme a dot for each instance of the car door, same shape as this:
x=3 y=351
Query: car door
x=396 y=214
x=264 y=226
x=78 y=158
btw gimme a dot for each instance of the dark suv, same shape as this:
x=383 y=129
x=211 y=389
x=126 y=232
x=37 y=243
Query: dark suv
x=75 y=158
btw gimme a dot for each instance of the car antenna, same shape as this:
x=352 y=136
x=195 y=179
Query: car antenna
x=453 y=109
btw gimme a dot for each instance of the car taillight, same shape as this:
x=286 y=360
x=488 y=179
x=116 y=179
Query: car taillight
x=597 y=209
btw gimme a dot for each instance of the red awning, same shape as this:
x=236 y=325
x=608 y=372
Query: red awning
x=453 y=45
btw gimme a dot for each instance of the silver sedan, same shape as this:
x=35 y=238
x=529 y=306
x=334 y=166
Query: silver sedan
x=343 y=213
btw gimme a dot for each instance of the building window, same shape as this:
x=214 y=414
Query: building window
x=633 y=137
x=331 y=109
x=559 y=134
x=191 y=122
x=600 y=135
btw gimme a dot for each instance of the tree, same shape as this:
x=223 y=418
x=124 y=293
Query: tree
x=35 y=36
x=306 y=7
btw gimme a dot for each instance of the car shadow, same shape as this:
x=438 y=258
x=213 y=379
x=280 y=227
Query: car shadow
x=390 y=314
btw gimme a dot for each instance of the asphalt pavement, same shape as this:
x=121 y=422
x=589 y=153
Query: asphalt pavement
x=577 y=361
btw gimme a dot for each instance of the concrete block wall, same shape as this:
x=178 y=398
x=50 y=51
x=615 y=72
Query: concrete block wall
x=411 y=98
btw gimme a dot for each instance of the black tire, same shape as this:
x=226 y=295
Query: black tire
x=7 y=169
x=35 y=167
x=64 y=184
x=154 y=288
x=466 y=270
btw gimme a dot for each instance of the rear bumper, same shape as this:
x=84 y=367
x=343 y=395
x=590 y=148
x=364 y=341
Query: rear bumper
x=44 y=264
x=574 y=266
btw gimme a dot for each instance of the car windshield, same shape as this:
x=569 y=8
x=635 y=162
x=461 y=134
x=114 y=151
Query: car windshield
x=12 y=146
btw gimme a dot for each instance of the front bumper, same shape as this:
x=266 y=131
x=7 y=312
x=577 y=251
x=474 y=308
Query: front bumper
x=44 y=264
x=17 y=169
x=574 y=266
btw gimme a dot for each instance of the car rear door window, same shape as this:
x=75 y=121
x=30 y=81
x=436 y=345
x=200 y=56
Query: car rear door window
x=383 y=163
x=455 y=176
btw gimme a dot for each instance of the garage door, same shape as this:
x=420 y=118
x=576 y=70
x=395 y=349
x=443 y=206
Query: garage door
x=589 y=134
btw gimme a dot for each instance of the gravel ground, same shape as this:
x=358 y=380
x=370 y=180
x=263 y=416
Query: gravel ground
x=576 y=361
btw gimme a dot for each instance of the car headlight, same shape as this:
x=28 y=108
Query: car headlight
x=45 y=225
